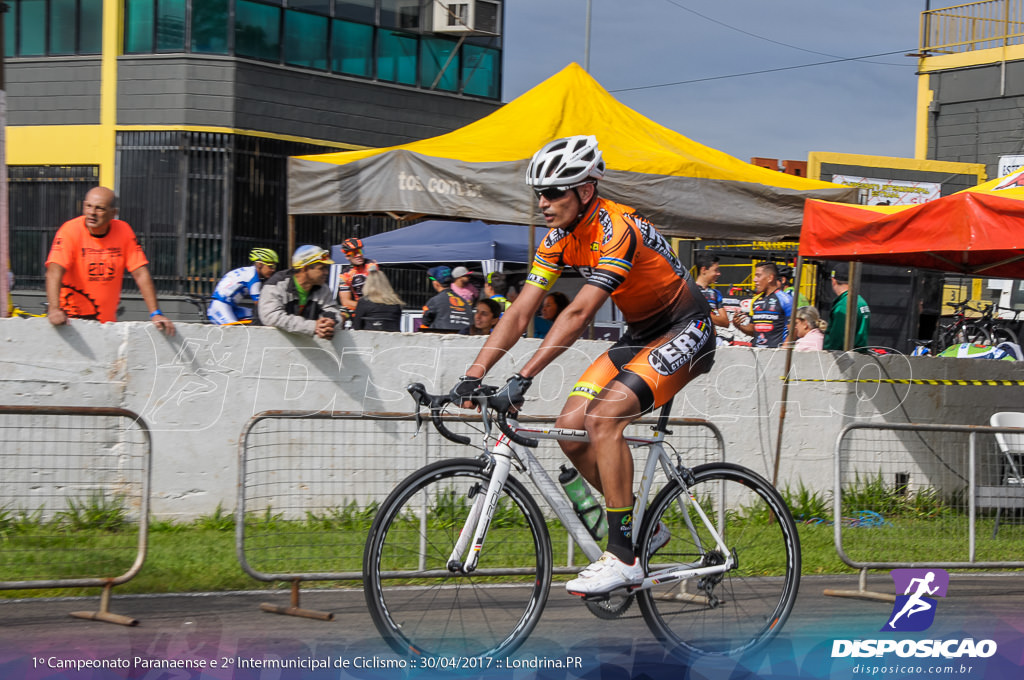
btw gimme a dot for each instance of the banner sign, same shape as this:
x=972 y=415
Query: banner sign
x=891 y=191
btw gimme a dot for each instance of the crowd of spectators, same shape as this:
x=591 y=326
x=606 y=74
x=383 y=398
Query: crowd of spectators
x=90 y=253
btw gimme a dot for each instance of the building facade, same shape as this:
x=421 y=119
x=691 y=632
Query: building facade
x=190 y=108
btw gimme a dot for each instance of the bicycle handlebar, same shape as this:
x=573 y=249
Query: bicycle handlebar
x=435 y=402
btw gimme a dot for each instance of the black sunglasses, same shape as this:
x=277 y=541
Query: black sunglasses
x=552 y=193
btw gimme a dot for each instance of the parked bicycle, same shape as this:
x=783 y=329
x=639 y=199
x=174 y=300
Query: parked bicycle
x=458 y=560
x=1000 y=329
x=960 y=329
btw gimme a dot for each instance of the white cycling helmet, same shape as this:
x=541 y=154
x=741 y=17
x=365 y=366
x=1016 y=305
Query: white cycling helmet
x=566 y=162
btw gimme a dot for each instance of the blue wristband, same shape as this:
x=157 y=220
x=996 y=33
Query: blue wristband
x=155 y=312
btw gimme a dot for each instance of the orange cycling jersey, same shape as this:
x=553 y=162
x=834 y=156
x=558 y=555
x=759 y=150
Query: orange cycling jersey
x=619 y=251
x=94 y=267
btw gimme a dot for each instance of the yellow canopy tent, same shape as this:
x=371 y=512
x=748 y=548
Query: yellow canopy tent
x=478 y=171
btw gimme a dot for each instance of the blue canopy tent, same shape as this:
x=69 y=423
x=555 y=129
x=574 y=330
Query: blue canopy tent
x=451 y=243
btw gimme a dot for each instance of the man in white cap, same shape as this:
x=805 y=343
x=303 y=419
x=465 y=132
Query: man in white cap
x=298 y=300
x=462 y=287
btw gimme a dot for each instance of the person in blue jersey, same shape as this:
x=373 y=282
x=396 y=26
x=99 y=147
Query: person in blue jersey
x=706 y=264
x=224 y=308
x=770 y=309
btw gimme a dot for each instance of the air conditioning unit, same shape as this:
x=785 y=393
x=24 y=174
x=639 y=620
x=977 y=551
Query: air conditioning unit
x=467 y=17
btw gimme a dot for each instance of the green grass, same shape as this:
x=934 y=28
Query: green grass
x=96 y=537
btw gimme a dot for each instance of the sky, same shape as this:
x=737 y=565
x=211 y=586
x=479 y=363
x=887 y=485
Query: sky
x=864 y=106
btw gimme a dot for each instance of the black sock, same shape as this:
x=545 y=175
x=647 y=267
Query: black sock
x=620 y=534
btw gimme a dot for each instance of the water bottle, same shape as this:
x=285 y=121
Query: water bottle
x=583 y=502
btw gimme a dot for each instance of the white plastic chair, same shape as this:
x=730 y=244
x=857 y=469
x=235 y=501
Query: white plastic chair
x=1011 y=445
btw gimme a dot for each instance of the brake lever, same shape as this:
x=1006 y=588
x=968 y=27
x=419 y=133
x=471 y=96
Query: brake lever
x=418 y=393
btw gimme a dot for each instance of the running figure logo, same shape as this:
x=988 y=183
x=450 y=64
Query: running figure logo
x=914 y=610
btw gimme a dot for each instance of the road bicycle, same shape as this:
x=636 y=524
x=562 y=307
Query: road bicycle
x=458 y=561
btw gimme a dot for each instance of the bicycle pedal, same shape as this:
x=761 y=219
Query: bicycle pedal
x=604 y=597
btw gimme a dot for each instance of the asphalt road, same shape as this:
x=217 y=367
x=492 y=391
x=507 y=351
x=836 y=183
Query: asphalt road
x=39 y=640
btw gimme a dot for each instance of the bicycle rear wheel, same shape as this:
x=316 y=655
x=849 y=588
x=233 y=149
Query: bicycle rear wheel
x=973 y=334
x=422 y=608
x=741 y=609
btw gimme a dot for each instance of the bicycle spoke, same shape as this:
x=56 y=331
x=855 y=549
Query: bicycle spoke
x=737 y=610
x=417 y=604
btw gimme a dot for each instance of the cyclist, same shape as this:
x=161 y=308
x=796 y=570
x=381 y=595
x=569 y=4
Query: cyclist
x=670 y=340
x=224 y=307
x=352 y=278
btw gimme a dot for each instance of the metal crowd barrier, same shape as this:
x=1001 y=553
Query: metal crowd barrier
x=74 y=500
x=310 y=483
x=921 y=495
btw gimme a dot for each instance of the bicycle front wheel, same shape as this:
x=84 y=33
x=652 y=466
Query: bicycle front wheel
x=421 y=607
x=738 y=610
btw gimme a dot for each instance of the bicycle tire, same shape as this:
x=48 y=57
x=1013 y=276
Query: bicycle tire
x=1002 y=334
x=417 y=604
x=740 y=610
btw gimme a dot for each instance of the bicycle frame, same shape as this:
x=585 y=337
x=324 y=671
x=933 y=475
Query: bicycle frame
x=505 y=452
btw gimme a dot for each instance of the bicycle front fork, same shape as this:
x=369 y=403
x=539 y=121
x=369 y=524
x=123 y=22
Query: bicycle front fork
x=480 y=514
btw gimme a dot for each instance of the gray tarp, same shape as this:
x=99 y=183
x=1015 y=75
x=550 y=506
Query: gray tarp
x=477 y=171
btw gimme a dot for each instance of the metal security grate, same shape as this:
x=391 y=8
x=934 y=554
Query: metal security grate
x=310 y=484
x=74 y=496
x=937 y=495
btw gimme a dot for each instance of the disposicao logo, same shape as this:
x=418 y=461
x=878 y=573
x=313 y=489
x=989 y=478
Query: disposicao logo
x=914 y=610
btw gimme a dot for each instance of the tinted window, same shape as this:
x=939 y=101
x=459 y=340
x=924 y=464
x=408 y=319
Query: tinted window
x=358 y=10
x=32 y=28
x=305 y=39
x=480 y=73
x=257 y=31
x=396 y=57
x=434 y=57
x=62 y=26
x=138 y=26
x=210 y=26
x=318 y=6
x=351 y=48
x=90 y=27
x=170 y=26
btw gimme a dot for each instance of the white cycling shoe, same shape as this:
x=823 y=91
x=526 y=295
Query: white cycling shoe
x=608 y=573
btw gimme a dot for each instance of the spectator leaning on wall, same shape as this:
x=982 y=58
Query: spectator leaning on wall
x=298 y=300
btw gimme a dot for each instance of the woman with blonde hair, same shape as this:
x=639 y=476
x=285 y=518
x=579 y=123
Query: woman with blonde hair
x=379 y=307
x=808 y=329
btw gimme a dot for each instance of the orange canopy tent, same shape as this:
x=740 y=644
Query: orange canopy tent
x=978 y=232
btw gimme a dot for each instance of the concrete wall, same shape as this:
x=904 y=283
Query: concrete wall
x=197 y=390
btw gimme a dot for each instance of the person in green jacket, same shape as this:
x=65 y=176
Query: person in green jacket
x=835 y=335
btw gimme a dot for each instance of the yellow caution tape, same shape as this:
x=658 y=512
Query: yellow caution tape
x=913 y=381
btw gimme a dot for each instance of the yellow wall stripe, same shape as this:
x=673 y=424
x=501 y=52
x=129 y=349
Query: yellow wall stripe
x=91 y=145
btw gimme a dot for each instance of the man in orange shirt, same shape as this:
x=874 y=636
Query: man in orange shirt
x=87 y=261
